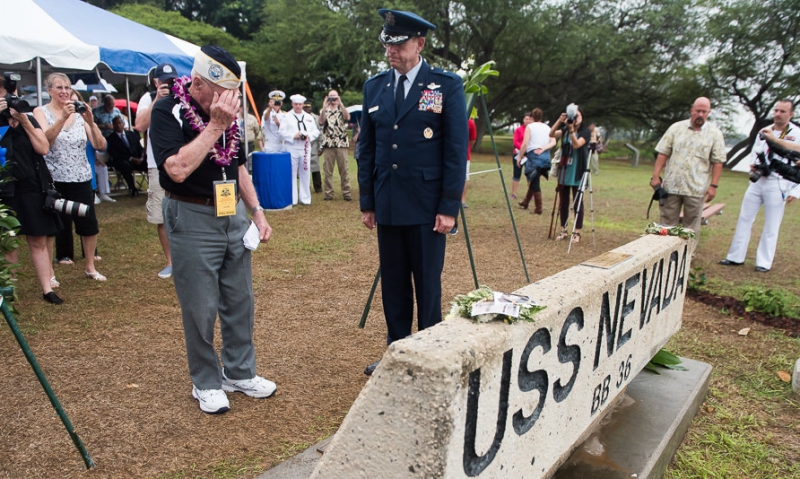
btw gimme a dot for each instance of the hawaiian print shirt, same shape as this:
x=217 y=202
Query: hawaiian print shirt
x=334 y=130
x=691 y=154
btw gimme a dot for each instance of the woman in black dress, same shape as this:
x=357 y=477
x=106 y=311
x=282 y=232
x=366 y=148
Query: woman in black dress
x=31 y=180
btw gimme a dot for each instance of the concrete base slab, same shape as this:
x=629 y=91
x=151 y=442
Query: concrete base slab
x=640 y=438
x=796 y=378
x=637 y=440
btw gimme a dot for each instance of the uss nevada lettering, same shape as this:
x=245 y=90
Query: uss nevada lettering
x=656 y=288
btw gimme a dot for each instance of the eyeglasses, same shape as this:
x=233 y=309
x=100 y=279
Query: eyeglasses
x=61 y=88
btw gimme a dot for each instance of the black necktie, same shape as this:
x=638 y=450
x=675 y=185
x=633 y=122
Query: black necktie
x=124 y=140
x=399 y=94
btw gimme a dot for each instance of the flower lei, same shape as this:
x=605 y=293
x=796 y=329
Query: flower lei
x=661 y=230
x=222 y=156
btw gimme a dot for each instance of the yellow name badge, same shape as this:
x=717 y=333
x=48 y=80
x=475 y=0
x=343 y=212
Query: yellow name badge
x=225 y=198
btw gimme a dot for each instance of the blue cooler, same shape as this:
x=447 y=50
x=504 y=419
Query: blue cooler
x=272 y=178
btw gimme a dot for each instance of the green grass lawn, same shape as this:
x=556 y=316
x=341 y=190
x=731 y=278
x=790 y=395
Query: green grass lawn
x=748 y=427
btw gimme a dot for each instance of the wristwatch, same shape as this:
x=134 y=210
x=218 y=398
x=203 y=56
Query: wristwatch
x=256 y=208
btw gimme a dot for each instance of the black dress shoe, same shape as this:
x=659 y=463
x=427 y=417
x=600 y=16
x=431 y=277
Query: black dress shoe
x=727 y=262
x=761 y=269
x=52 y=298
x=371 y=368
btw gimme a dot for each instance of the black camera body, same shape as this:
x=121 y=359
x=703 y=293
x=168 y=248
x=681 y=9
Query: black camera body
x=763 y=166
x=54 y=202
x=17 y=103
x=79 y=107
x=277 y=102
x=10 y=80
x=303 y=136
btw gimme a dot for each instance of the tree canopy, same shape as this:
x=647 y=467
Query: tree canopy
x=630 y=64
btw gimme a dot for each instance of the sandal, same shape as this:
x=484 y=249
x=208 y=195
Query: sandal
x=65 y=260
x=576 y=238
x=563 y=235
x=54 y=283
x=95 y=276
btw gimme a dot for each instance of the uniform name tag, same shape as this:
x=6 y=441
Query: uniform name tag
x=225 y=198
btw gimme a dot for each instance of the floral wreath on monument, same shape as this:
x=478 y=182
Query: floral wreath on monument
x=484 y=305
x=661 y=230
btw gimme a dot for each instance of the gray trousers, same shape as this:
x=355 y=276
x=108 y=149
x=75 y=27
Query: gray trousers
x=212 y=274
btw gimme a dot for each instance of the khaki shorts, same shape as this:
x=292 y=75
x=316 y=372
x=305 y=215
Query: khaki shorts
x=155 y=194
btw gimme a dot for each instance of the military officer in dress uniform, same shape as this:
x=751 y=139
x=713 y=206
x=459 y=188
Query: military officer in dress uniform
x=271 y=122
x=413 y=149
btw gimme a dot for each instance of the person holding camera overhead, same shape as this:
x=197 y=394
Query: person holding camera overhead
x=688 y=153
x=333 y=119
x=271 y=123
x=574 y=134
x=68 y=126
x=770 y=190
x=26 y=144
x=298 y=129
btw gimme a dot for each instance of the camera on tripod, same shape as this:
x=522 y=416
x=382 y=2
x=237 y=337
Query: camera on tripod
x=53 y=201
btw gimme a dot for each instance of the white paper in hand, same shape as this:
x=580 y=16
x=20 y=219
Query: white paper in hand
x=251 y=238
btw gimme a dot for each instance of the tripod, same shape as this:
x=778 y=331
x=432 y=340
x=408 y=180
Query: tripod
x=576 y=208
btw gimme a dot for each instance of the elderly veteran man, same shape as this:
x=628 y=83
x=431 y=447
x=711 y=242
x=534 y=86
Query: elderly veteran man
x=271 y=122
x=202 y=170
x=412 y=158
x=690 y=152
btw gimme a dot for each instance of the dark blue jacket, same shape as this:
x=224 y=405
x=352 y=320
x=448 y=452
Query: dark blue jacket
x=412 y=166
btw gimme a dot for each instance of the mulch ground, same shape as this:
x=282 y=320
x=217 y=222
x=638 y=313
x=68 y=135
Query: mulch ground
x=736 y=308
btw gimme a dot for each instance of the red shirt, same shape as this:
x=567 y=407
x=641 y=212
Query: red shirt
x=519 y=135
x=473 y=136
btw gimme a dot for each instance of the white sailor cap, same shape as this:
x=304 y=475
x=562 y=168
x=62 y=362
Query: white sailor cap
x=297 y=98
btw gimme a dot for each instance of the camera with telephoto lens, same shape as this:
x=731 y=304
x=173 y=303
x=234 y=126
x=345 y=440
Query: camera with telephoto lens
x=277 y=102
x=572 y=113
x=53 y=201
x=17 y=103
x=763 y=166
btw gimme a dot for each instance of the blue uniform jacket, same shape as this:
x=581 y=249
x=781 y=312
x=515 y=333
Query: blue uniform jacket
x=412 y=166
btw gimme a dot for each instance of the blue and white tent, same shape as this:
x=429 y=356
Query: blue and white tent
x=74 y=35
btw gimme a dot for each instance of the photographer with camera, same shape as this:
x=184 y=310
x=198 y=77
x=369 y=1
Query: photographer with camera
x=162 y=79
x=26 y=191
x=333 y=119
x=271 y=121
x=689 y=153
x=69 y=125
x=767 y=188
x=298 y=129
x=574 y=134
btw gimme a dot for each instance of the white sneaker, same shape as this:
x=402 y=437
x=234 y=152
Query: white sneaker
x=212 y=401
x=97 y=199
x=165 y=273
x=256 y=387
x=105 y=197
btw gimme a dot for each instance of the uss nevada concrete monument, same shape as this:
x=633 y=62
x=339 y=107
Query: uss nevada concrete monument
x=513 y=401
